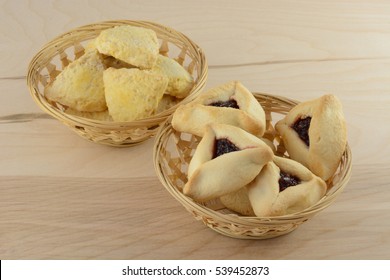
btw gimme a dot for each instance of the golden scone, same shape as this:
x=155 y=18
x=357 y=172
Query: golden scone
x=226 y=159
x=238 y=202
x=134 y=45
x=314 y=133
x=100 y=116
x=166 y=102
x=230 y=103
x=132 y=94
x=110 y=61
x=80 y=84
x=180 y=81
x=283 y=187
x=90 y=46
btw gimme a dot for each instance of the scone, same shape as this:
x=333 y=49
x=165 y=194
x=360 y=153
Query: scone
x=180 y=81
x=283 y=187
x=110 y=61
x=166 y=102
x=225 y=160
x=90 y=46
x=230 y=103
x=99 y=116
x=314 y=133
x=134 y=45
x=80 y=84
x=132 y=94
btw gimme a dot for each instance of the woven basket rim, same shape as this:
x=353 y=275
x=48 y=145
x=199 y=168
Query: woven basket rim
x=112 y=125
x=191 y=205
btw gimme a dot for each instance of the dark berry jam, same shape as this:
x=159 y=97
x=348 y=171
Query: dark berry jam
x=224 y=146
x=301 y=126
x=229 y=103
x=287 y=180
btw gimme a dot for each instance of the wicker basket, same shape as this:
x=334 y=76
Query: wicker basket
x=173 y=151
x=58 y=53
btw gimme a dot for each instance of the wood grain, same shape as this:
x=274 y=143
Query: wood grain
x=255 y=32
x=62 y=197
x=103 y=218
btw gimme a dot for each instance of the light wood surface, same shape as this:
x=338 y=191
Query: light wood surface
x=62 y=197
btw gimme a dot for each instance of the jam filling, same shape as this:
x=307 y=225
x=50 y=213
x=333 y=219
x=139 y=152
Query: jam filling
x=224 y=146
x=301 y=126
x=229 y=103
x=287 y=180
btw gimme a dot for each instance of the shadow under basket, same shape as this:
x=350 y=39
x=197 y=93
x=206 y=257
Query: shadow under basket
x=64 y=49
x=173 y=152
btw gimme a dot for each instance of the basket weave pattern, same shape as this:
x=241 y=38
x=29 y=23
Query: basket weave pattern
x=64 y=49
x=173 y=151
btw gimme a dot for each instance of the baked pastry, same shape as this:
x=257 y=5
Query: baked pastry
x=180 y=82
x=132 y=94
x=314 y=133
x=80 y=84
x=230 y=103
x=269 y=144
x=90 y=46
x=166 y=102
x=108 y=61
x=100 y=116
x=238 y=202
x=225 y=160
x=283 y=187
x=134 y=45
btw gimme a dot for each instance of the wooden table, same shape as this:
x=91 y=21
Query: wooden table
x=62 y=197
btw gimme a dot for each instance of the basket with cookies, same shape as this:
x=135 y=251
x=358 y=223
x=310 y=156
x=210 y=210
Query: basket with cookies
x=253 y=165
x=114 y=82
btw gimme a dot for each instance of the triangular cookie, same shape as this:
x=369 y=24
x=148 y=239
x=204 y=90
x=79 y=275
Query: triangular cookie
x=132 y=94
x=100 y=116
x=226 y=159
x=283 y=187
x=239 y=202
x=180 y=81
x=166 y=102
x=80 y=84
x=134 y=45
x=314 y=133
x=230 y=103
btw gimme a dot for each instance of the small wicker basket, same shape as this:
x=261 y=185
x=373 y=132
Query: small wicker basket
x=173 y=151
x=62 y=50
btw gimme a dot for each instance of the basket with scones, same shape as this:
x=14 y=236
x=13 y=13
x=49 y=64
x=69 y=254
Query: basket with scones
x=252 y=165
x=114 y=82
